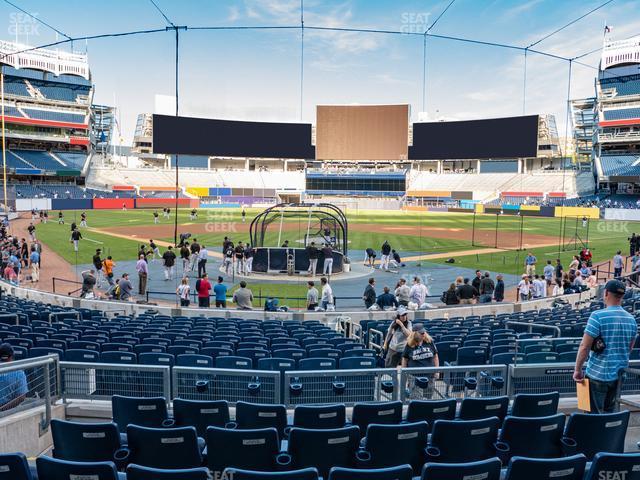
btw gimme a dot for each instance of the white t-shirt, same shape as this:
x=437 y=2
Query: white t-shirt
x=524 y=287
x=183 y=291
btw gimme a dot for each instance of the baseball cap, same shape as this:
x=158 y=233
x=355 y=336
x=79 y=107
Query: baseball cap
x=615 y=286
x=418 y=328
x=6 y=352
x=402 y=310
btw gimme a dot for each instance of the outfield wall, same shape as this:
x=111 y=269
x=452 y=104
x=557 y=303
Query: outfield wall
x=28 y=204
x=621 y=214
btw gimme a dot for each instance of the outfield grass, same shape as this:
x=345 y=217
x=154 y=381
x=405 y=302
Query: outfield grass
x=605 y=237
x=291 y=294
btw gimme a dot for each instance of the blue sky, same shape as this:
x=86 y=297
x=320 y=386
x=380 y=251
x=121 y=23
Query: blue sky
x=255 y=75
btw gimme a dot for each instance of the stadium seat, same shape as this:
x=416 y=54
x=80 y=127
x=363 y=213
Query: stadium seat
x=163 y=359
x=354 y=363
x=84 y=442
x=166 y=448
x=400 y=472
x=53 y=469
x=124 y=358
x=278 y=364
x=323 y=449
x=14 y=466
x=194 y=360
x=541 y=357
x=477 y=436
x=485 y=407
x=138 y=472
x=566 y=468
x=200 y=414
x=484 y=469
x=315 y=363
x=244 y=449
x=431 y=410
x=303 y=474
x=507 y=358
x=82 y=356
x=390 y=445
x=626 y=465
x=319 y=416
x=364 y=414
x=611 y=430
x=255 y=416
x=234 y=362
x=535 y=404
x=143 y=412
x=536 y=437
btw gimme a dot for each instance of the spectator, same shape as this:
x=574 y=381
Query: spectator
x=618 y=264
x=402 y=293
x=13 y=385
x=396 y=339
x=203 y=287
x=524 y=288
x=606 y=345
x=418 y=293
x=243 y=297
x=369 y=295
x=530 y=263
x=88 y=282
x=183 y=292
x=592 y=280
x=548 y=272
x=34 y=263
x=327 y=300
x=557 y=288
x=450 y=296
x=312 y=296
x=387 y=300
x=498 y=293
x=466 y=293
x=575 y=263
x=559 y=269
x=486 y=288
x=169 y=261
x=125 y=287
x=420 y=350
x=539 y=287
x=203 y=254
x=475 y=283
x=220 y=291
x=143 y=274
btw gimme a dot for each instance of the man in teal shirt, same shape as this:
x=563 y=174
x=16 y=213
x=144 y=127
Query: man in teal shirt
x=13 y=385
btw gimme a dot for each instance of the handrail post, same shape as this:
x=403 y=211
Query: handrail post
x=46 y=421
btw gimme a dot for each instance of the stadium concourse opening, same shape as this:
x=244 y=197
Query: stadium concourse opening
x=282 y=233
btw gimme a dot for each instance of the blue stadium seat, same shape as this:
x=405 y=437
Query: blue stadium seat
x=255 y=416
x=303 y=474
x=171 y=448
x=138 y=472
x=82 y=356
x=292 y=353
x=319 y=416
x=325 y=352
x=323 y=449
x=536 y=437
x=84 y=442
x=234 y=362
x=243 y=449
x=364 y=414
x=194 y=360
x=431 y=410
x=626 y=465
x=200 y=414
x=484 y=407
x=316 y=363
x=276 y=364
x=14 y=466
x=400 y=472
x=354 y=363
x=164 y=359
x=541 y=357
x=390 y=445
x=535 y=404
x=484 y=469
x=477 y=436
x=146 y=348
x=54 y=469
x=124 y=358
x=44 y=351
x=567 y=468
x=144 y=412
x=611 y=430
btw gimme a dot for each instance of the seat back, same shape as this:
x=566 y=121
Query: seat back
x=535 y=404
x=319 y=416
x=400 y=472
x=256 y=415
x=567 y=468
x=54 y=469
x=354 y=363
x=171 y=448
x=194 y=360
x=14 y=466
x=536 y=437
x=254 y=449
x=200 y=414
x=365 y=414
x=627 y=465
x=431 y=410
x=484 y=407
x=323 y=449
x=78 y=355
x=483 y=469
x=144 y=412
x=138 y=472
x=84 y=442
x=598 y=433
x=390 y=445
x=234 y=362
x=303 y=474
x=477 y=436
x=317 y=363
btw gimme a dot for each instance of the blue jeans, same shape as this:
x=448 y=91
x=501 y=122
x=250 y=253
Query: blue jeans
x=604 y=396
x=485 y=298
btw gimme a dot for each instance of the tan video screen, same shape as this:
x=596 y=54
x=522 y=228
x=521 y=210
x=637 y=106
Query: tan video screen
x=362 y=132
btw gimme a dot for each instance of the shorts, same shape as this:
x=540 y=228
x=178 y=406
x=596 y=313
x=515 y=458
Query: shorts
x=221 y=304
x=184 y=302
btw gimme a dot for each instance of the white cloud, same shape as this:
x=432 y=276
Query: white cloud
x=522 y=8
x=234 y=13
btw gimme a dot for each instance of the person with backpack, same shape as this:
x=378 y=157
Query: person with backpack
x=183 y=292
x=450 y=296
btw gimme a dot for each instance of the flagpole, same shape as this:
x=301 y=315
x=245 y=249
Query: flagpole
x=4 y=151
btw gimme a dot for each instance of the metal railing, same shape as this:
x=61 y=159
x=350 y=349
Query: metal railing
x=258 y=386
x=100 y=381
x=30 y=383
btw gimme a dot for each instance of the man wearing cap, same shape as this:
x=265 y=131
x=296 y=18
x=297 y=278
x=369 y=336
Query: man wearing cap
x=606 y=345
x=13 y=385
x=396 y=338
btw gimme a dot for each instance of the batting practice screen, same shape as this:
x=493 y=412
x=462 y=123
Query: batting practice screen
x=202 y=136
x=362 y=132
x=512 y=137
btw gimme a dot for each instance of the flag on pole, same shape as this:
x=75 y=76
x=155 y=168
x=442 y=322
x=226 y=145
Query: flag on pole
x=607 y=29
